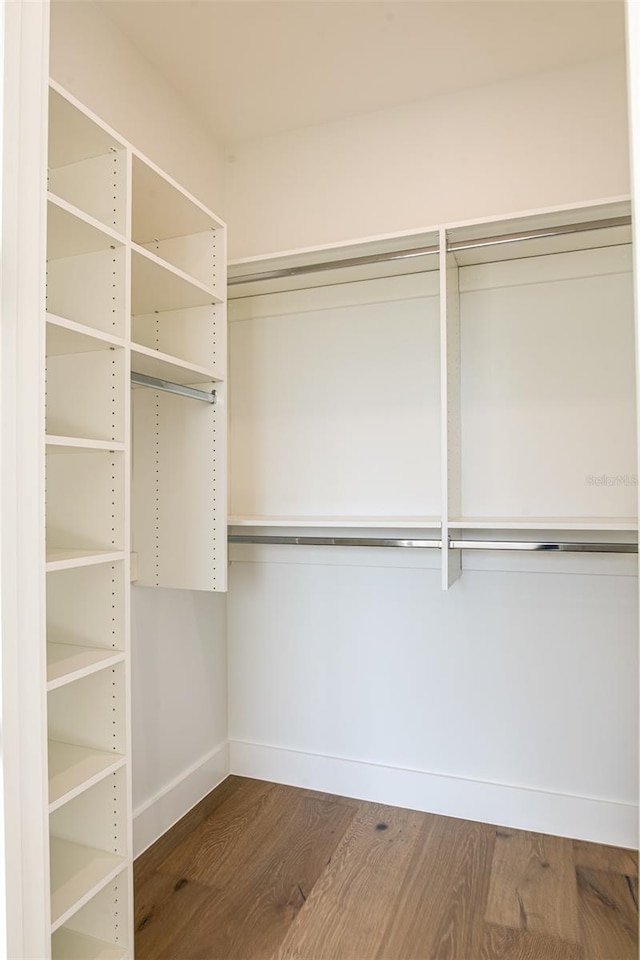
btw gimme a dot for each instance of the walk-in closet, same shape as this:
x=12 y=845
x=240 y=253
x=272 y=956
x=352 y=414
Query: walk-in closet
x=319 y=490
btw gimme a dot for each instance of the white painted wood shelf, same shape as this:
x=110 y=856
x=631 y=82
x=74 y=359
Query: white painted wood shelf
x=67 y=336
x=78 y=873
x=82 y=445
x=69 y=945
x=158 y=285
x=162 y=366
x=68 y=662
x=408 y=523
x=73 y=769
x=61 y=558
x=71 y=232
x=545 y=523
x=162 y=208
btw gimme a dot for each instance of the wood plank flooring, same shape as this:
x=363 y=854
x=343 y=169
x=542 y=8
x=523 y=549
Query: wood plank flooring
x=259 y=871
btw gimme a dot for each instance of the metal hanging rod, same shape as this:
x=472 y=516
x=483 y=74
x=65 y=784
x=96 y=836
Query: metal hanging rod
x=335 y=265
x=527 y=545
x=453 y=247
x=142 y=380
x=560 y=231
x=337 y=541
x=553 y=547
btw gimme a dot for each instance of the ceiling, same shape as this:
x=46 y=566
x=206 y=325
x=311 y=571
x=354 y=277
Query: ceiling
x=250 y=68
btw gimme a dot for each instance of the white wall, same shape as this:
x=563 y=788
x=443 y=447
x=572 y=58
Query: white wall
x=179 y=697
x=534 y=142
x=511 y=698
x=178 y=637
x=96 y=62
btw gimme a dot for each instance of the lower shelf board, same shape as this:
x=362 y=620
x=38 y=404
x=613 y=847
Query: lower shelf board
x=73 y=769
x=69 y=945
x=343 y=521
x=586 y=524
x=66 y=559
x=77 y=874
x=162 y=366
x=67 y=662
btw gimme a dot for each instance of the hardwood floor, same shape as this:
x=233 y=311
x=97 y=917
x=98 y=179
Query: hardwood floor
x=259 y=871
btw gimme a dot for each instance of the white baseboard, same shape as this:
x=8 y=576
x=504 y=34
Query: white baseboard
x=157 y=815
x=522 y=808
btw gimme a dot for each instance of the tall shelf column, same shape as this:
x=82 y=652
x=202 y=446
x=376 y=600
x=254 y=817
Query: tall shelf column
x=87 y=537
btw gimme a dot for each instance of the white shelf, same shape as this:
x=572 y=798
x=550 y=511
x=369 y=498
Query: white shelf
x=67 y=336
x=73 y=769
x=77 y=874
x=66 y=559
x=162 y=209
x=413 y=523
x=159 y=286
x=152 y=363
x=82 y=444
x=545 y=523
x=71 y=232
x=68 y=662
x=69 y=945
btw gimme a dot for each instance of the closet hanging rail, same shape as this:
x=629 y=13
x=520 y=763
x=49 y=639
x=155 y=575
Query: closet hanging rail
x=142 y=380
x=337 y=541
x=550 y=547
x=522 y=545
x=303 y=269
x=543 y=232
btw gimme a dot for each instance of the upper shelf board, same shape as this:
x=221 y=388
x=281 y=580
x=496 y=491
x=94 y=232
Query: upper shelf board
x=158 y=286
x=397 y=256
x=491 y=243
x=70 y=232
x=75 y=136
x=162 y=209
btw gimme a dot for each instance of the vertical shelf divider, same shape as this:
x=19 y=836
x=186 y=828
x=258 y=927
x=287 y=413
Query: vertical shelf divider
x=127 y=878
x=450 y=409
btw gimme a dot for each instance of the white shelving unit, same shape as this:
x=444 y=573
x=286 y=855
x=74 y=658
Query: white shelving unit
x=135 y=284
x=490 y=389
x=543 y=410
x=87 y=523
x=178 y=331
